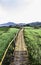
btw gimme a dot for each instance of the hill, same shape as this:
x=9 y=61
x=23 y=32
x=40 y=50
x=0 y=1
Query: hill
x=34 y=24
x=8 y=24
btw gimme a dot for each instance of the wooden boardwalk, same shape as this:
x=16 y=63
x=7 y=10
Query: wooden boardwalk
x=20 y=53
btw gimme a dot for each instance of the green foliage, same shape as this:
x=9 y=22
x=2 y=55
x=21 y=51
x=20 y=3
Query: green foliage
x=9 y=56
x=5 y=38
x=33 y=42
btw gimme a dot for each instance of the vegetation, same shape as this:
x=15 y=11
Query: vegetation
x=6 y=35
x=33 y=41
x=10 y=55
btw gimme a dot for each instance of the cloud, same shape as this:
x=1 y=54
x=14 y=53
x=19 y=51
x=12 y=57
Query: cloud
x=15 y=3
x=20 y=10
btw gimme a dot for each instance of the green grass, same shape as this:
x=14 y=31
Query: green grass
x=6 y=35
x=33 y=41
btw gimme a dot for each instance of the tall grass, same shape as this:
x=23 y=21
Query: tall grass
x=5 y=38
x=33 y=42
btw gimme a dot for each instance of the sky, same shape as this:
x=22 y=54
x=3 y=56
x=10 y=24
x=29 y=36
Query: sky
x=20 y=11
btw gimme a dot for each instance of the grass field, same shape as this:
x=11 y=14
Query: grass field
x=33 y=41
x=6 y=35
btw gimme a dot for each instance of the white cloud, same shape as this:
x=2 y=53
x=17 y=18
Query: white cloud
x=20 y=10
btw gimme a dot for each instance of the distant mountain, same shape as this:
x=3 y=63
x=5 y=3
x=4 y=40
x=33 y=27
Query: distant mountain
x=21 y=24
x=8 y=24
x=34 y=24
x=12 y=24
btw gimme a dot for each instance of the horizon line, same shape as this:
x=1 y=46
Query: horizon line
x=20 y=22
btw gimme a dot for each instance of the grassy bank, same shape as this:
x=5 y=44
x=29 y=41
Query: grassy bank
x=6 y=35
x=33 y=41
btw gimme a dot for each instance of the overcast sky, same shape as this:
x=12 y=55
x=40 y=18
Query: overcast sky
x=19 y=11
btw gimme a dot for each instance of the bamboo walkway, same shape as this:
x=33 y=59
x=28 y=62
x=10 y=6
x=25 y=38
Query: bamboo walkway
x=20 y=53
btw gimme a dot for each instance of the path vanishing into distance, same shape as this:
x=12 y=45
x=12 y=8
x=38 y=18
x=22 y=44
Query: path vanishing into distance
x=20 y=53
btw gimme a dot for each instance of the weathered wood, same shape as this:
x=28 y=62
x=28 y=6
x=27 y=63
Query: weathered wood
x=20 y=52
